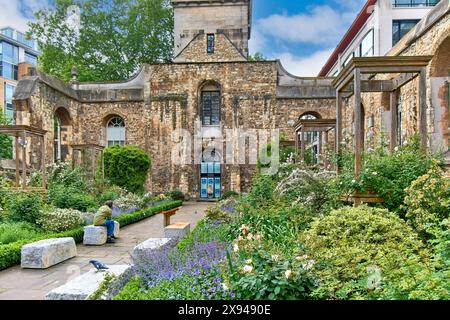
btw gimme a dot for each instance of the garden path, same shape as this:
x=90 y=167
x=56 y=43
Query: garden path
x=26 y=284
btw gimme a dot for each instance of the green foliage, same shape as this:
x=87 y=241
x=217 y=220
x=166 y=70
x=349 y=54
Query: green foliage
x=103 y=288
x=229 y=194
x=71 y=198
x=131 y=218
x=428 y=201
x=176 y=195
x=258 y=56
x=388 y=174
x=262 y=191
x=181 y=288
x=353 y=245
x=61 y=220
x=6 y=142
x=127 y=167
x=114 y=38
x=63 y=175
x=16 y=231
x=205 y=232
x=26 y=207
x=262 y=276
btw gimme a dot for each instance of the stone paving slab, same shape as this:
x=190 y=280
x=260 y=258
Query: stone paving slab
x=23 y=284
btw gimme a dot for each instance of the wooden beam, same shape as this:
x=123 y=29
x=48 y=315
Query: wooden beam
x=423 y=108
x=403 y=79
x=302 y=145
x=44 y=172
x=24 y=160
x=394 y=120
x=16 y=145
x=358 y=120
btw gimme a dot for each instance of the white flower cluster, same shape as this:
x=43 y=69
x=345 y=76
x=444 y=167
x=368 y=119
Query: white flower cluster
x=129 y=201
x=61 y=220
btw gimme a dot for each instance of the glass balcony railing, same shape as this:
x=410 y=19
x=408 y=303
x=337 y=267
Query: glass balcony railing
x=414 y=3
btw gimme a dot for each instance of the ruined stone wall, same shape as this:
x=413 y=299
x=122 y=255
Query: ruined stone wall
x=289 y=111
x=224 y=50
x=247 y=102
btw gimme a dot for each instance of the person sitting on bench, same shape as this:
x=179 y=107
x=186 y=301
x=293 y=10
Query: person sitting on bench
x=103 y=218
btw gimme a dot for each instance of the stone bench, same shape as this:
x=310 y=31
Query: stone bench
x=82 y=287
x=97 y=235
x=151 y=244
x=177 y=230
x=46 y=253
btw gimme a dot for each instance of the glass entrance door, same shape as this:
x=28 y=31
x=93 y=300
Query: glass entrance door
x=210 y=180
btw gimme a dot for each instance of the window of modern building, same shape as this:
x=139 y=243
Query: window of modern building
x=400 y=28
x=115 y=132
x=22 y=38
x=210 y=106
x=414 y=3
x=9 y=107
x=8 y=32
x=31 y=59
x=347 y=61
x=367 y=46
x=210 y=44
x=9 y=61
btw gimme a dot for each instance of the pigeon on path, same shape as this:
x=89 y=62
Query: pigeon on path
x=100 y=266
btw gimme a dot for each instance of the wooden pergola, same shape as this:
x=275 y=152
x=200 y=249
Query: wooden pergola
x=94 y=150
x=323 y=126
x=358 y=77
x=21 y=133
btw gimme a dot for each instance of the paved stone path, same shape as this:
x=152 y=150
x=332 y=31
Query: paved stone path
x=26 y=284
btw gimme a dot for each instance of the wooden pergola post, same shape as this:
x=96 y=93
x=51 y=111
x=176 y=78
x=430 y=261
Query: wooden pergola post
x=24 y=132
x=423 y=108
x=394 y=120
x=358 y=120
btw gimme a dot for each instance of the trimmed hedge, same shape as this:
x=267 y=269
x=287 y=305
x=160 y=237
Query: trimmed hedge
x=10 y=254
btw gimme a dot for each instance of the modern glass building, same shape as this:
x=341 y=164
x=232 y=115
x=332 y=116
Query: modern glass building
x=16 y=53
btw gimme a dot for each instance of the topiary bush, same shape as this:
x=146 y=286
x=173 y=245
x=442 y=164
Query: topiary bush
x=61 y=220
x=127 y=167
x=361 y=252
x=25 y=207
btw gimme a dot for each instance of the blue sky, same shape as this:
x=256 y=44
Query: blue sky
x=301 y=33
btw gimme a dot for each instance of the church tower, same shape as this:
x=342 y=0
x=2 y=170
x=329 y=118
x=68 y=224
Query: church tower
x=211 y=30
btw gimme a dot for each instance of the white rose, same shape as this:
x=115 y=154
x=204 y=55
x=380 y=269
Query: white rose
x=248 y=269
x=288 y=274
x=235 y=248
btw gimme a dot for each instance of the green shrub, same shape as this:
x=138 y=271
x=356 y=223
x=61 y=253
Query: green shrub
x=357 y=247
x=127 y=167
x=61 y=220
x=205 y=232
x=12 y=232
x=64 y=175
x=6 y=142
x=70 y=198
x=176 y=195
x=229 y=194
x=25 y=207
x=129 y=201
x=428 y=201
x=259 y=275
x=111 y=193
x=262 y=191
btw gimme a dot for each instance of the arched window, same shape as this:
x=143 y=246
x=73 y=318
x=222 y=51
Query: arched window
x=312 y=140
x=62 y=129
x=115 y=131
x=210 y=105
x=57 y=131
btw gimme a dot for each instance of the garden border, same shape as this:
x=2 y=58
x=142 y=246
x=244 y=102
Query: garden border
x=10 y=254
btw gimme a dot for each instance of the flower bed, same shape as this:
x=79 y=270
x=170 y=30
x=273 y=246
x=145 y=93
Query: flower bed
x=10 y=253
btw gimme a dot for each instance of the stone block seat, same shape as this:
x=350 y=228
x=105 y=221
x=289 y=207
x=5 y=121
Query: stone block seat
x=150 y=245
x=46 y=253
x=82 y=287
x=97 y=236
x=177 y=230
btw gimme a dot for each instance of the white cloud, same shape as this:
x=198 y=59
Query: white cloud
x=17 y=13
x=308 y=66
x=322 y=25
